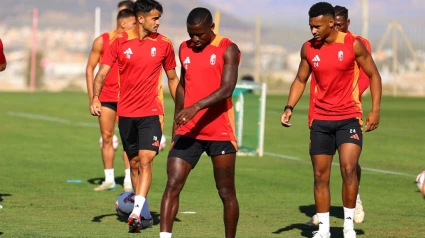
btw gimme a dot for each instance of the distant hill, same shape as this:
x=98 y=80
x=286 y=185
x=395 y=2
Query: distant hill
x=79 y=14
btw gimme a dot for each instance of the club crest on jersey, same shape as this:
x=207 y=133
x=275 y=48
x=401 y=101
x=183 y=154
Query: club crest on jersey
x=128 y=53
x=153 y=51
x=341 y=55
x=213 y=59
x=186 y=62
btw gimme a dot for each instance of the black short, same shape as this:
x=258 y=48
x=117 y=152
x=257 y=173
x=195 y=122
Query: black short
x=111 y=105
x=190 y=149
x=327 y=136
x=140 y=133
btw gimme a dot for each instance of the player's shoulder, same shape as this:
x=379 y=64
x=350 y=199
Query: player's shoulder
x=164 y=39
x=221 y=41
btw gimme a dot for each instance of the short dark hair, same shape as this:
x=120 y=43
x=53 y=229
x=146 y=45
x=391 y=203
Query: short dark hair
x=321 y=8
x=125 y=13
x=145 y=6
x=128 y=4
x=341 y=11
x=199 y=16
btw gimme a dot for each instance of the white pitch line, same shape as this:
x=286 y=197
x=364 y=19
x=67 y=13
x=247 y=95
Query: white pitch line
x=95 y=125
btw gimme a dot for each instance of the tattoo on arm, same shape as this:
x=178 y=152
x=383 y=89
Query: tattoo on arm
x=98 y=82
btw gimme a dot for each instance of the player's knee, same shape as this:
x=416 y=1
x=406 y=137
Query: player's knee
x=349 y=171
x=226 y=192
x=174 y=185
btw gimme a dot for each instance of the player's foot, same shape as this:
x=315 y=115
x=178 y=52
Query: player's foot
x=146 y=223
x=349 y=233
x=134 y=224
x=317 y=234
x=359 y=212
x=314 y=221
x=128 y=187
x=105 y=186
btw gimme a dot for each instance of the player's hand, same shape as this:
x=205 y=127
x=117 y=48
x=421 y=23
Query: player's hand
x=185 y=115
x=372 y=121
x=95 y=107
x=286 y=116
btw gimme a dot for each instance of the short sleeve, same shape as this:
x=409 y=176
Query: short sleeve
x=170 y=57
x=111 y=54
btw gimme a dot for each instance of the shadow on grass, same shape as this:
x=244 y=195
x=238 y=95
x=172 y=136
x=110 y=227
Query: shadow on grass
x=155 y=217
x=306 y=231
x=4 y=195
x=309 y=211
x=98 y=181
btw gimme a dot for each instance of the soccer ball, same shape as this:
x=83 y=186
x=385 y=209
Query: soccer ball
x=124 y=204
x=420 y=180
x=163 y=143
x=115 y=142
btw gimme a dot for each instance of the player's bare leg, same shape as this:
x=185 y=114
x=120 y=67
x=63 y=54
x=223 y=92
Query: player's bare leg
x=141 y=177
x=177 y=170
x=349 y=154
x=127 y=179
x=322 y=170
x=107 y=129
x=224 y=175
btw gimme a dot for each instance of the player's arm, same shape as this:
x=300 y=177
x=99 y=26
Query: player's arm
x=297 y=87
x=179 y=102
x=365 y=61
x=228 y=82
x=3 y=62
x=173 y=81
x=91 y=65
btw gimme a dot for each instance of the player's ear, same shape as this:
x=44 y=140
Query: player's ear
x=348 y=22
x=212 y=26
x=331 y=22
x=140 y=18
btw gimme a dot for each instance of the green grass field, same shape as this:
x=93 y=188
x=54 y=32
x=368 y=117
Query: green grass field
x=48 y=138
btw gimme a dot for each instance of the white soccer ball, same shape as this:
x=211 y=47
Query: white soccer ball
x=420 y=180
x=124 y=204
x=163 y=143
x=115 y=142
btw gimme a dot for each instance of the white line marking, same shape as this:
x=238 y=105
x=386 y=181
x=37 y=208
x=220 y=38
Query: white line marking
x=188 y=212
x=95 y=125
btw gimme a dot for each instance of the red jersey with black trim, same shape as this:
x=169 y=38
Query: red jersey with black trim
x=2 y=57
x=334 y=91
x=203 y=75
x=140 y=64
x=110 y=90
x=363 y=82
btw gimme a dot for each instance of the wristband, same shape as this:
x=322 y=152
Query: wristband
x=289 y=107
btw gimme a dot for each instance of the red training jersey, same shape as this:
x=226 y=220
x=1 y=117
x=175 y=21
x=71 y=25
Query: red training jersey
x=140 y=64
x=363 y=82
x=110 y=90
x=203 y=75
x=334 y=91
x=2 y=57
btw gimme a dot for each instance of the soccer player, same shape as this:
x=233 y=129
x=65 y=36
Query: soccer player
x=127 y=4
x=3 y=62
x=109 y=99
x=331 y=57
x=203 y=118
x=141 y=54
x=341 y=24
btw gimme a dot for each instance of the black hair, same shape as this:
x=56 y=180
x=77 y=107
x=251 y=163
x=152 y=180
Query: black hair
x=125 y=13
x=321 y=8
x=128 y=4
x=341 y=11
x=199 y=16
x=145 y=6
